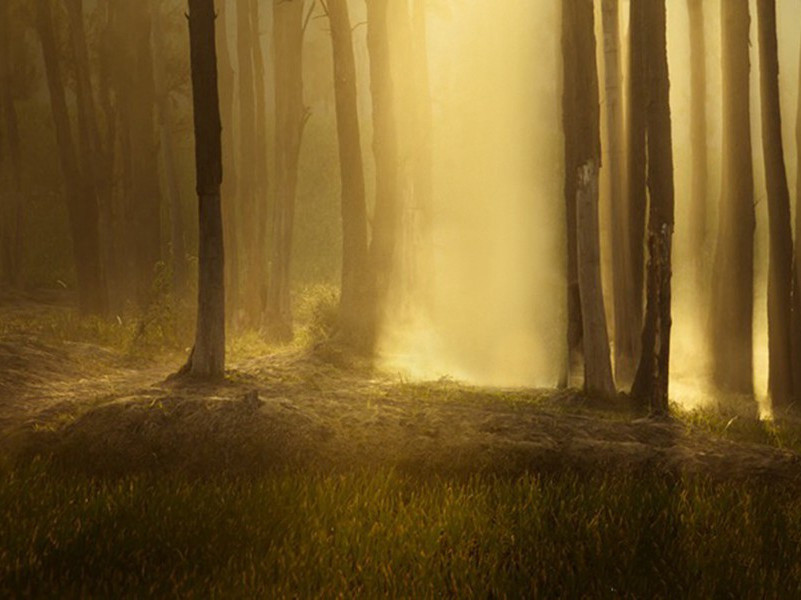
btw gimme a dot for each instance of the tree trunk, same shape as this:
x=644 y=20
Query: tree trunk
x=733 y=287
x=355 y=262
x=231 y=216
x=581 y=91
x=625 y=336
x=290 y=115
x=652 y=379
x=780 y=272
x=178 y=247
x=207 y=359
x=797 y=258
x=81 y=206
x=385 y=150
x=698 y=141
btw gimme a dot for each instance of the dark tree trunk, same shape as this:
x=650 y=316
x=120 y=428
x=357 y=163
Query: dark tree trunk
x=82 y=206
x=733 y=287
x=355 y=262
x=651 y=381
x=698 y=136
x=207 y=359
x=290 y=116
x=780 y=272
x=797 y=259
x=581 y=94
x=385 y=150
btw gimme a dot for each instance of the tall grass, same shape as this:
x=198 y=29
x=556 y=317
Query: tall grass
x=370 y=534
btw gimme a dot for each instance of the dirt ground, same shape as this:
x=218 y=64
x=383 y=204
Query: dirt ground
x=93 y=409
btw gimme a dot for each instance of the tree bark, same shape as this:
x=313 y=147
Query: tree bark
x=81 y=206
x=780 y=271
x=207 y=359
x=290 y=115
x=355 y=262
x=796 y=317
x=581 y=91
x=652 y=379
x=733 y=287
x=625 y=336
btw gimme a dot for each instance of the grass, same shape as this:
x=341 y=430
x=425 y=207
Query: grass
x=369 y=534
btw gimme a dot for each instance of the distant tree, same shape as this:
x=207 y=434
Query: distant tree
x=698 y=136
x=207 y=359
x=625 y=336
x=355 y=261
x=733 y=285
x=581 y=98
x=780 y=271
x=652 y=378
x=290 y=120
x=81 y=204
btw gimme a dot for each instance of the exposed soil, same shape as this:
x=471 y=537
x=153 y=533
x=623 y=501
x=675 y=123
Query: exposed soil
x=90 y=408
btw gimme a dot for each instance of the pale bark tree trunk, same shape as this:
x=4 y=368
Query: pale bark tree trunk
x=178 y=247
x=581 y=91
x=385 y=150
x=698 y=141
x=355 y=263
x=82 y=208
x=797 y=258
x=780 y=271
x=625 y=336
x=732 y=291
x=290 y=115
x=207 y=359
x=652 y=379
x=231 y=214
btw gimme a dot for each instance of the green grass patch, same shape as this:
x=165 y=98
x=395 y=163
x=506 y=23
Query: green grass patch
x=370 y=534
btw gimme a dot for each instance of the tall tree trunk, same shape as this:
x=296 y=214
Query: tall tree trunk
x=698 y=140
x=797 y=258
x=290 y=115
x=82 y=206
x=780 y=272
x=355 y=262
x=625 y=336
x=732 y=292
x=581 y=92
x=178 y=247
x=208 y=354
x=651 y=381
x=636 y=189
x=385 y=150
x=231 y=216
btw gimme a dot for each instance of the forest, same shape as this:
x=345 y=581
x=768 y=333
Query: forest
x=418 y=298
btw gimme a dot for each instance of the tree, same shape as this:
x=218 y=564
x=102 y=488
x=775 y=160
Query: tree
x=81 y=204
x=290 y=120
x=732 y=290
x=581 y=97
x=796 y=350
x=355 y=263
x=698 y=137
x=652 y=378
x=625 y=335
x=207 y=358
x=780 y=271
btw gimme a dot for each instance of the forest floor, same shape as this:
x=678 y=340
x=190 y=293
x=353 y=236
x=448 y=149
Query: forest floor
x=97 y=409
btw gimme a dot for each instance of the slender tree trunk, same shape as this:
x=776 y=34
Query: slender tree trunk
x=581 y=90
x=82 y=207
x=652 y=379
x=625 y=336
x=290 y=115
x=385 y=150
x=780 y=272
x=208 y=354
x=178 y=247
x=355 y=262
x=797 y=258
x=231 y=216
x=698 y=141
x=636 y=189
x=732 y=292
